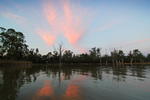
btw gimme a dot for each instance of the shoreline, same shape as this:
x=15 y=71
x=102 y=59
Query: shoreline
x=8 y=63
x=93 y=64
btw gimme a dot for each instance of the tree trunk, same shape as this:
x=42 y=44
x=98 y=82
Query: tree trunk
x=60 y=61
x=116 y=62
x=106 y=63
x=131 y=61
x=100 y=60
x=122 y=60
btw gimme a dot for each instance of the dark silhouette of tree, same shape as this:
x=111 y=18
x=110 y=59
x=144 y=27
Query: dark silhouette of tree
x=13 y=47
x=137 y=56
x=67 y=56
x=130 y=56
x=121 y=56
x=114 y=56
x=60 y=51
x=106 y=56
x=13 y=44
x=2 y=29
x=148 y=58
x=99 y=54
x=95 y=53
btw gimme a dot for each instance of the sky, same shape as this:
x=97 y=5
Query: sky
x=80 y=24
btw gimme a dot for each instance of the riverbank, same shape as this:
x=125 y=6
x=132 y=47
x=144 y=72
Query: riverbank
x=4 y=63
x=94 y=64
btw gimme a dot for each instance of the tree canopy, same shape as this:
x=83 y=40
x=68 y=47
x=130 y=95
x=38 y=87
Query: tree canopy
x=13 y=47
x=12 y=44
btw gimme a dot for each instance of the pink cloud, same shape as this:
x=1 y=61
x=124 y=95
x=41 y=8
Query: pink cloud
x=47 y=36
x=19 y=19
x=112 y=23
x=75 y=24
x=124 y=44
x=68 y=13
x=105 y=27
x=50 y=12
x=66 y=19
x=80 y=48
x=137 y=42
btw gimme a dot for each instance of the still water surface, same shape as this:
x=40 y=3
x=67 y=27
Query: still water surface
x=75 y=83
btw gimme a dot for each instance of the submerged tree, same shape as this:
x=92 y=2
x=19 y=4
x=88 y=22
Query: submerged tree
x=60 y=51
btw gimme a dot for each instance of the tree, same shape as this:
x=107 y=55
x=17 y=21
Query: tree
x=67 y=56
x=99 y=54
x=96 y=53
x=60 y=51
x=13 y=44
x=148 y=57
x=114 y=55
x=106 y=58
x=121 y=56
x=93 y=52
x=130 y=56
x=137 y=56
x=2 y=29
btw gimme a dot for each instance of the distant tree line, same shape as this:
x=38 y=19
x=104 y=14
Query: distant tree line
x=13 y=47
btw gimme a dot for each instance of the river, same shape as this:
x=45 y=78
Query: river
x=75 y=83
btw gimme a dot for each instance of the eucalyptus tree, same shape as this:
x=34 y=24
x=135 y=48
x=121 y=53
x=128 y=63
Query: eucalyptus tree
x=67 y=56
x=99 y=54
x=137 y=56
x=114 y=55
x=96 y=53
x=49 y=56
x=148 y=58
x=121 y=56
x=93 y=52
x=2 y=30
x=106 y=56
x=13 y=44
x=130 y=56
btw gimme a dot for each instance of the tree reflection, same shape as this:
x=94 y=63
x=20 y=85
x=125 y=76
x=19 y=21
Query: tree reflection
x=138 y=71
x=12 y=79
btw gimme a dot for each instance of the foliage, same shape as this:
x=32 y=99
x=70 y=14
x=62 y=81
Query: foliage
x=12 y=44
x=13 y=47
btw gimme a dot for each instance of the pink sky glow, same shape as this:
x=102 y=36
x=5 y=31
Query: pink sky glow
x=71 y=23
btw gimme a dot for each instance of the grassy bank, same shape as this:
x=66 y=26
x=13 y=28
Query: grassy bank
x=4 y=63
x=96 y=64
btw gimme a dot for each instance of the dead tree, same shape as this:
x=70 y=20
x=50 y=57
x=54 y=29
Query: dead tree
x=60 y=51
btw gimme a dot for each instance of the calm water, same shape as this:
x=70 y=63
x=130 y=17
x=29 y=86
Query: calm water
x=75 y=83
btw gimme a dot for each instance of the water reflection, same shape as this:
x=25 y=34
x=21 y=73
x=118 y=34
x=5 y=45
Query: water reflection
x=72 y=93
x=64 y=82
x=46 y=92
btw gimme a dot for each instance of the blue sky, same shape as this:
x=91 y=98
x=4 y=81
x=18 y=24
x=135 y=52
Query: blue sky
x=80 y=24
